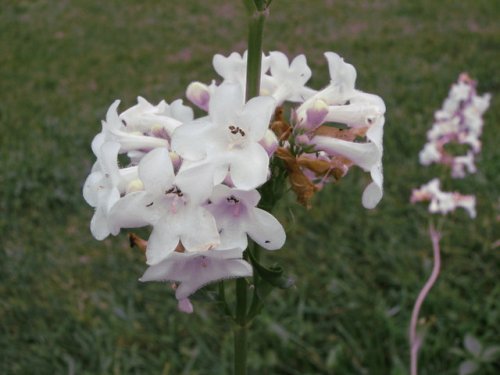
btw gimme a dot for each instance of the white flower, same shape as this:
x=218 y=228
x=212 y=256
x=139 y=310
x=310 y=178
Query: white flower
x=236 y=216
x=289 y=78
x=227 y=141
x=443 y=202
x=366 y=155
x=431 y=153
x=461 y=165
x=114 y=129
x=363 y=110
x=103 y=187
x=145 y=117
x=344 y=103
x=194 y=270
x=342 y=81
x=234 y=67
x=171 y=204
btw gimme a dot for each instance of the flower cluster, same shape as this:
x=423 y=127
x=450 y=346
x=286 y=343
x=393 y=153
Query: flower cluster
x=441 y=201
x=194 y=181
x=458 y=121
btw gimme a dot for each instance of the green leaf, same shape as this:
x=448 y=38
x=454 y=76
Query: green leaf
x=472 y=345
x=468 y=367
x=274 y=275
x=490 y=354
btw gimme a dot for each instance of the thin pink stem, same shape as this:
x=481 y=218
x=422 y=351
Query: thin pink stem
x=415 y=340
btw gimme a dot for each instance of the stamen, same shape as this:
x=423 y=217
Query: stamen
x=236 y=130
x=233 y=199
x=174 y=190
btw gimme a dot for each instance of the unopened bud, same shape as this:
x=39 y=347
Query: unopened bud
x=316 y=114
x=198 y=94
x=269 y=142
x=302 y=139
x=176 y=159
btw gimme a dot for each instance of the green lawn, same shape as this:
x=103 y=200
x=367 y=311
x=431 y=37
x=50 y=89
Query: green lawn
x=72 y=305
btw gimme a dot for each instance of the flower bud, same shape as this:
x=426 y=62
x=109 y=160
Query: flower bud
x=198 y=94
x=269 y=142
x=316 y=114
x=302 y=139
x=176 y=160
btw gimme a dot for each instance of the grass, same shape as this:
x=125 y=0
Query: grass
x=70 y=304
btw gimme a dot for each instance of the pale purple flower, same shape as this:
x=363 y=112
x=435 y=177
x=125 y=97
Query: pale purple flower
x=194 y=270
x=237 y=215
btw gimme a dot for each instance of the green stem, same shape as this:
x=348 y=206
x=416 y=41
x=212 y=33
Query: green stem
x=254 y=62
x=240 y=329
x=241 y=301
x=240 y=350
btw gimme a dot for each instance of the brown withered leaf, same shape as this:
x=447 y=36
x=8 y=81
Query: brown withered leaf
x=336 y=167
x=345 y=134
x=319 y=167
x=279 y=126
x=301 y=185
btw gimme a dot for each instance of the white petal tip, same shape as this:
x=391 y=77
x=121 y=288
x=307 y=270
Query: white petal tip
x=372 y=196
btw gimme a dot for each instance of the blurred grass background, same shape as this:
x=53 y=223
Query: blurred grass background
x=72 y=305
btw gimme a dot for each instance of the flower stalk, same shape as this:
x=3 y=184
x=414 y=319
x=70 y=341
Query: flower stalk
x=253 y=74
x=254 y=64
x=415 y=339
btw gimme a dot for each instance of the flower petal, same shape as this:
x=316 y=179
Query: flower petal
x=195 y=270
x=162 y=242
x=90 y=188
x=190 y=140
x=134 y=210
x=199 y=232
x=197 y=181
x=249 y=166
x=256 y=116
x=156 y=171
x=264 y=229
x=214 y=271
x=364 y=155
x=225 y=103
